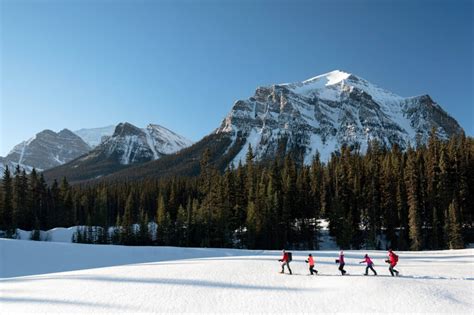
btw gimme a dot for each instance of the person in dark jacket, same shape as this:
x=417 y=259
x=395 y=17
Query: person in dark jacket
x=370 y=265
x=341 y=263
x=310 y=261
x=285 y=261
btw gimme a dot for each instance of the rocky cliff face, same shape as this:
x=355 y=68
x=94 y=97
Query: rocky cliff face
x=127 y=146
x=130 y=144
x=45 y=150
x=323 y=113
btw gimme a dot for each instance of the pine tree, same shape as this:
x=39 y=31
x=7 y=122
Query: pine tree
x=240 y=204
x=163 y=221
x=181 y=226
x=118 y=230
x=143 y=233
x=453 y=232
x=289 y=175
x=251 y=235
x=101 y=207
x=374 y=153
x=433 y=196
x=389 y=189
x=188 y=232
x=90 y=232
x=6 y=223
x=412 y=183
x=128 y=235
x=20 y=206
x=36 y=233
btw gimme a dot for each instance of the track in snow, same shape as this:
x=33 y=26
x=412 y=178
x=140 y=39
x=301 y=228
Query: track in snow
x=225 y=281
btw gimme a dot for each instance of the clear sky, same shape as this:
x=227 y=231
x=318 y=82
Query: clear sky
x=182 y=64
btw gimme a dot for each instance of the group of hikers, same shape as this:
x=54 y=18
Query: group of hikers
x=392 y=261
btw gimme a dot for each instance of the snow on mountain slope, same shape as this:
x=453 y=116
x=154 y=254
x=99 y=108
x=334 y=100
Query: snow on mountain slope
x=166 y=141
x=126 y=146
x=45 y=150
x=325 y=112
x=94 y=136
x=225 y=280
x=130 y=144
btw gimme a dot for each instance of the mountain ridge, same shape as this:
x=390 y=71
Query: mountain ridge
x=129 y=145
x=46 y=149
x=330 y=110
x=314 y=116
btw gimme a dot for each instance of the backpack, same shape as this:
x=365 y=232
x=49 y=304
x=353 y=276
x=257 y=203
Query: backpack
x=395 y=257
x=290 y=256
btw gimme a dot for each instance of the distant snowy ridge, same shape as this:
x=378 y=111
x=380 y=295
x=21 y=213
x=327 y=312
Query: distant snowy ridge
x=130 y=144
x=134 y=144
x=94 y=136
x=45 y=150
x=327 y=111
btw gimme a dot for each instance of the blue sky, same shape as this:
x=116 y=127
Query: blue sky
x=182 y=64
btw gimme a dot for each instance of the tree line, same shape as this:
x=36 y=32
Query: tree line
x=420 y=198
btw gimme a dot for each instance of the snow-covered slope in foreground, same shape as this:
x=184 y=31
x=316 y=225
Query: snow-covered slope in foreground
x=224 y=281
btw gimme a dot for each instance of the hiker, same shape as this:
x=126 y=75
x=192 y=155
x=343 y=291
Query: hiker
x=285 y=260
x=341 y=263
x=370 y=265
x=392 y=260
x=310 y=261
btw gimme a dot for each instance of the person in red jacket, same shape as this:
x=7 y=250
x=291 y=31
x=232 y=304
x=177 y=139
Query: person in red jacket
x=285 y=260
x=392 y=260
x=310 y=261
x=370 y=265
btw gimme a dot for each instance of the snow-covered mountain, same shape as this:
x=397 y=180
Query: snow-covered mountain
x=325 y=112
x=45 y=150
x=317 y=115
x=128 y=145
x=94 y=136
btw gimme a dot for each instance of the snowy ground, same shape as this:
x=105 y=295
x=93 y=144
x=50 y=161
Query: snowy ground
x=223 y=280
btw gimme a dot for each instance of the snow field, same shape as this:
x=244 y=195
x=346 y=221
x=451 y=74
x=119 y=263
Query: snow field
x=226 y=280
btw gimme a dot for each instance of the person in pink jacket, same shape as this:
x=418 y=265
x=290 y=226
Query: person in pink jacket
x=370 y=265
x=341 y=262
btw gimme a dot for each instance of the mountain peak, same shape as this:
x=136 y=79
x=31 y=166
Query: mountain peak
x=330 y=78
x=126 y=128
x=67 y=133
x=330 y=110
x=47 y=149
